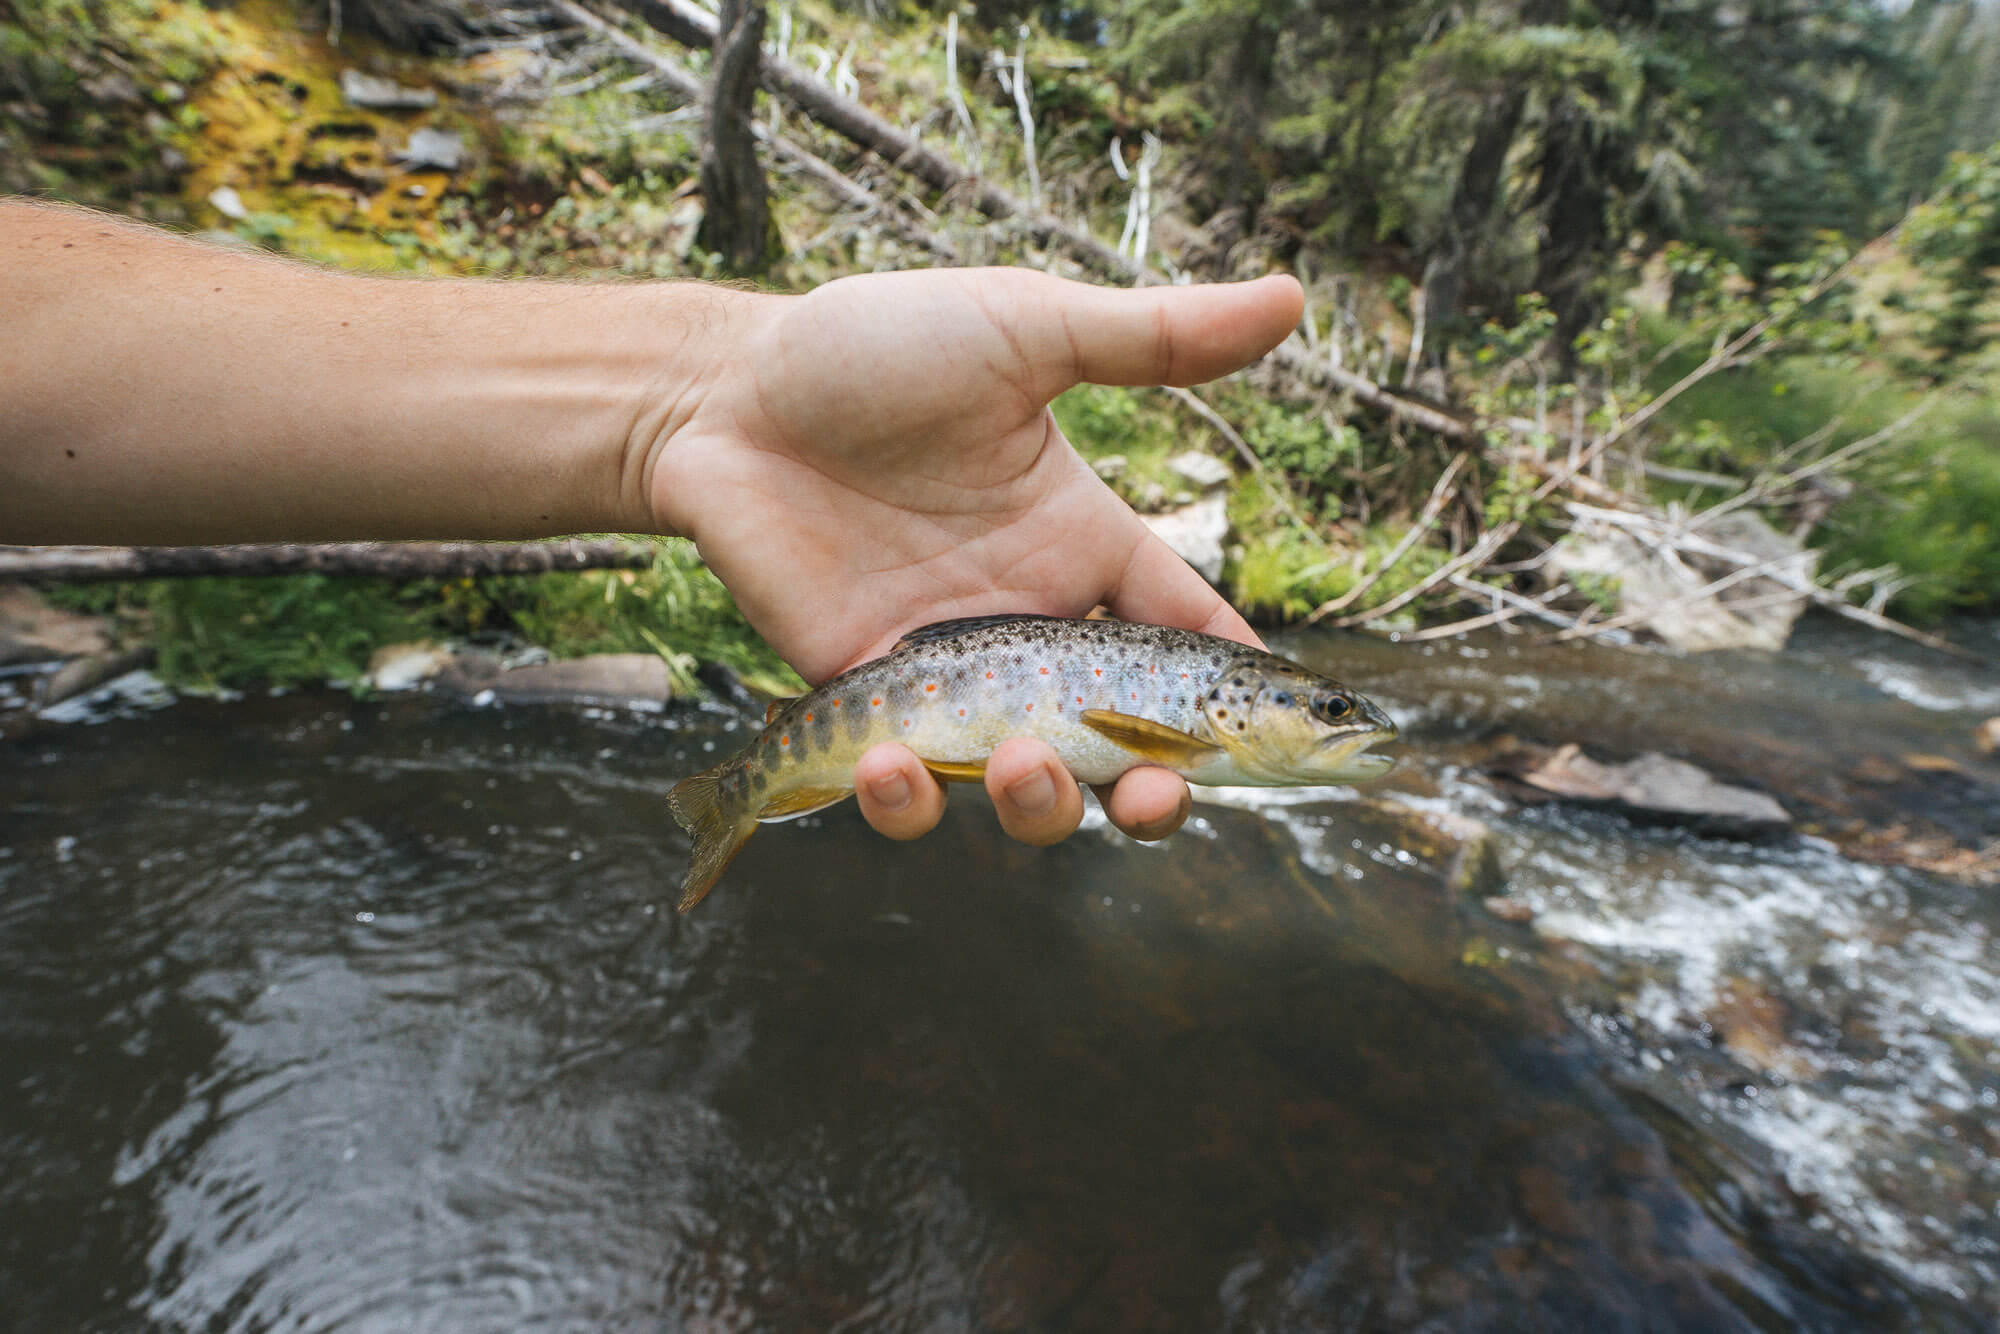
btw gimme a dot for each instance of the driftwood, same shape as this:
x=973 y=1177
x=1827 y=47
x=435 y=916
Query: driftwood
x=382 y=560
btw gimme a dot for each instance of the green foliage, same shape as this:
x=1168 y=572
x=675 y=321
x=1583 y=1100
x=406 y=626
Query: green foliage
x=214 y=634
x=1956 y=237
x=221 y=634
x=678 y=609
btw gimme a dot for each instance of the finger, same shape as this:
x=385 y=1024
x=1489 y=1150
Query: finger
x=1037 y=800
x=897 y=794
x=1160 y=588
x=1157 y=335
x=1148 y=803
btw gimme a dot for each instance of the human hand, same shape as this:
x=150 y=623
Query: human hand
x=879 y=454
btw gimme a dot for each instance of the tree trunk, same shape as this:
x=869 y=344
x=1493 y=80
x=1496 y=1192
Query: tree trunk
x=1571 y=198
x=392 y=560
x=1473 y=205
x=736 y=223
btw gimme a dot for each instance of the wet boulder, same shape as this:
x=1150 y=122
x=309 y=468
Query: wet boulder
x=1653 y=788
x=1987 y=737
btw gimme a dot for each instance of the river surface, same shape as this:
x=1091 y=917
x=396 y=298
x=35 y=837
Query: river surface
x=318 y=1014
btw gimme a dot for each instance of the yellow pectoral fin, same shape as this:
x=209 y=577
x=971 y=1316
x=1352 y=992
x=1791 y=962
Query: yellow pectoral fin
x=1155 y=743
x=801 y=801
x=947 y=772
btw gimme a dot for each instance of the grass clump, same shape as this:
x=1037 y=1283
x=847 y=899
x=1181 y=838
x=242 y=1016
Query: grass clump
x=226 y=634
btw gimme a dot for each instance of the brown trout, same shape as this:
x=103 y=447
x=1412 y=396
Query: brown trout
x=1107 y=695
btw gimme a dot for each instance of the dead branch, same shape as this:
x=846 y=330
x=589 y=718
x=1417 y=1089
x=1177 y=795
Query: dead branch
x=1500 y=615
x=1662 y=534
x=1236 y=441
x=846 y=117
x=1724 y=355
x=1433 y=507
x=1471 y=558
x=379 y=560
x=686 y=84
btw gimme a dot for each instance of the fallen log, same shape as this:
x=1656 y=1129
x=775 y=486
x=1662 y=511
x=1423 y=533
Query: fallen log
x=378 y=560
x=687 y=85
x=854 y=122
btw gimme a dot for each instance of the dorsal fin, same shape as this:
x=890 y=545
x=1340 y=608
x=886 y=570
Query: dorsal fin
x=964 y=625
x=778 y=706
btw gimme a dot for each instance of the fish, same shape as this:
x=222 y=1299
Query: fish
x=1107 y=695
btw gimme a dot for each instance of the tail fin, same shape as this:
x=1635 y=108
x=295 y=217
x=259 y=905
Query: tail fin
x=718 y=832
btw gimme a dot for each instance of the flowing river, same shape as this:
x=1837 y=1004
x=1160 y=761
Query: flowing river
x=318 y=1014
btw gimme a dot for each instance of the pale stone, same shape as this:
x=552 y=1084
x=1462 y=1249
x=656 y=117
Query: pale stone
x=406 y=666
x=228 y=203
x=1196 y=533
x=1204 y=470
x=379 y=94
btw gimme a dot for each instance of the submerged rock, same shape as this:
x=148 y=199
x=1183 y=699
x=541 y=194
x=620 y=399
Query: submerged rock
x=1987 y=737
x=80 y=676
x=1653 y=787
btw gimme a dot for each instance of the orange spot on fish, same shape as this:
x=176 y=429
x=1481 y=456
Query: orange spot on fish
x=961 y=713
x=930 y=688
x=1045 y=671
x=1100 y=671
x=989 y=676
x=1027 y=708
x=784 y=741
x=809 y=717
x=876 y=702
x=837 y=703
x=1079 y=699
x=1154 y=669
x=906 y=722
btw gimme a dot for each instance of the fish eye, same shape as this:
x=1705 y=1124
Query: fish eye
x=1332 y=708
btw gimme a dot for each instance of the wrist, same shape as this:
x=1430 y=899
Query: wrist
x=690 y=411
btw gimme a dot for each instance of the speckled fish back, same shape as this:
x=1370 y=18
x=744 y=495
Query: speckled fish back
x=953 y=694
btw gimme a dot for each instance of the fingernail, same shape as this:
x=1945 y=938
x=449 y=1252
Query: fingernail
x=891 y=793
x=1034 y=792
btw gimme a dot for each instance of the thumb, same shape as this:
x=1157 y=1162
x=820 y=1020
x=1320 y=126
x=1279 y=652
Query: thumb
x=1075 y=332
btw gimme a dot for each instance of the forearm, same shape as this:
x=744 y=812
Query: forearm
x=155 y=390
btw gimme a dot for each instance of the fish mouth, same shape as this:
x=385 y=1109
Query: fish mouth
x=1346 y=759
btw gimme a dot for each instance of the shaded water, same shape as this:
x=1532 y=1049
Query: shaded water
x=324 y=1015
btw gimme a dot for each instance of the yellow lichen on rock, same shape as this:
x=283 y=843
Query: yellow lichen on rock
x=281 y=157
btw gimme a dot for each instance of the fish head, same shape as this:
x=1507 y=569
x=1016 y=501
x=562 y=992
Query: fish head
x=1283 y=725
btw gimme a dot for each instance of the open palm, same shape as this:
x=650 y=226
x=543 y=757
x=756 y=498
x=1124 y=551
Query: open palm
x=880 y=454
